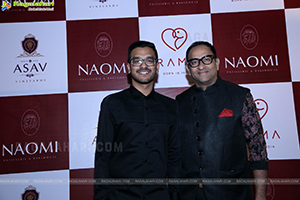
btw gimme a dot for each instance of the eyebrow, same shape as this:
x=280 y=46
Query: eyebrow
x=143 y=58
x=202 y=57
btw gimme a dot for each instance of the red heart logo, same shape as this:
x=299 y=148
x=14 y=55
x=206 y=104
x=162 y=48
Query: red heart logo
x=174 y=38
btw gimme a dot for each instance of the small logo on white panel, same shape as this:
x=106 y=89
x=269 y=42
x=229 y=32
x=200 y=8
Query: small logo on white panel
x=30 y=193
x=30 y=122
x=31 y=63
x=103 y=44
x=262 y=107
x=174 y=38
x=29 y=45
x=249 y=37
x=103 y=4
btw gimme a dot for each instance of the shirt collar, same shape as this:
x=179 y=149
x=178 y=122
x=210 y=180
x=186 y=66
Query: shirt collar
x=137 y=94
x=213 y=87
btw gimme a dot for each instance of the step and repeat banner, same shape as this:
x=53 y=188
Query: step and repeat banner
x=59 y=59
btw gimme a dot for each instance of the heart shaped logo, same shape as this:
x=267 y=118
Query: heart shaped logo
x=174 y=38
x=262 y=107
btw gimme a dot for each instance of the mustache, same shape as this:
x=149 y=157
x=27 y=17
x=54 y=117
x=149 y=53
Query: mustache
x=203 y=70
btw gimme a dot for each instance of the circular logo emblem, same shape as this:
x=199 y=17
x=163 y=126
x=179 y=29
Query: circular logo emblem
x=249 y=37
x=103 y=44
x=30 y=122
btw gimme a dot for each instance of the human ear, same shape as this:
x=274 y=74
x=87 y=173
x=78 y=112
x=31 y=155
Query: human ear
x=128 y=68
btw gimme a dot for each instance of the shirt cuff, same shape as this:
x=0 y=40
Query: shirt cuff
x=259 y=165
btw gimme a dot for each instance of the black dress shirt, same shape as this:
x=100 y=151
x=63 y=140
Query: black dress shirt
x=144 y=144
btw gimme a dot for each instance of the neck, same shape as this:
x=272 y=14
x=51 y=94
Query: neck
x=205 y=85
x=145 y=89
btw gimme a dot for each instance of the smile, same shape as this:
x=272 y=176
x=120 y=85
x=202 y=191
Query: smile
x=202 y=72
x=143 y=72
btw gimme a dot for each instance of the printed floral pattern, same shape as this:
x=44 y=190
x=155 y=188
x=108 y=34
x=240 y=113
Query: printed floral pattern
x=253 y=131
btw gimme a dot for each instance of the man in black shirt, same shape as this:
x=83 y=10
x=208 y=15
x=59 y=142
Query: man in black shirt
x=143 y=122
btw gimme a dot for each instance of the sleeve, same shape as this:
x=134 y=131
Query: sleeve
x=174 y=158
x=105 y=133
x=254 y=135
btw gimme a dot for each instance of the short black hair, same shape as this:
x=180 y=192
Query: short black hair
x=197 y=43
x=141 y=43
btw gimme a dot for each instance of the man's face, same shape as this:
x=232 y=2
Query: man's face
x=203 y=75
x=142 y=74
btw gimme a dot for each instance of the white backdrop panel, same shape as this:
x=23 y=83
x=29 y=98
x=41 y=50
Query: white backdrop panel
x=32 y=74
x=95 y=9
x=50 y=185
x=278 y=119
x=172 y=35
x=221 y=6
x=84 y=111
x=292 y=17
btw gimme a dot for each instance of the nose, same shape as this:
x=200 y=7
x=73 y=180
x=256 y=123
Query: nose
x=201 y=66
x=143 y=65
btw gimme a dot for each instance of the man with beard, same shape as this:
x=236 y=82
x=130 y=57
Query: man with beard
x=143 y=123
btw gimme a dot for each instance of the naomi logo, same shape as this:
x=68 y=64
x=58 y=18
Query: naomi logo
x=174 y=38
x=249 y=37
x=103 y=44
x=30 y=122
x=262 y=107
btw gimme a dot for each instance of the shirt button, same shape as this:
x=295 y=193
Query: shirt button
x=201 y=167
x=193 y=98
x=197 y=124
x=195 y=111
x=198 y=138
x=200 y=152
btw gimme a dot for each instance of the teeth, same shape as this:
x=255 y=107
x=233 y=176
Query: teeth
x=144 y=72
